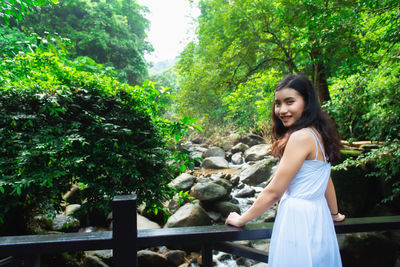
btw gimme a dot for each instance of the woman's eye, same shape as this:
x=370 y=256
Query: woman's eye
x=290 y=102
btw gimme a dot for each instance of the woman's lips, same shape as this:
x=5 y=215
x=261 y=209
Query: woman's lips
x=285 y=118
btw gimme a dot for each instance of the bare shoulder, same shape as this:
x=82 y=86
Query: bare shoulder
x=301 y=136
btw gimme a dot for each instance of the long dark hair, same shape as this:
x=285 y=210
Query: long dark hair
x=312 y=116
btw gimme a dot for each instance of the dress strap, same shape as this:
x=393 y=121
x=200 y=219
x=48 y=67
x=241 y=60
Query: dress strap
x=319 y=144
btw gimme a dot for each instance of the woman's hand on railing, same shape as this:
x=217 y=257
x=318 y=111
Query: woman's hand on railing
x=234 y=219
x=338 y=217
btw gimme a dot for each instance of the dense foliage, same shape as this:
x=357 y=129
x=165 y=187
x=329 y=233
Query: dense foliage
x=110 y=32
x=60 y=126
x=349 y=49
x=16 y=9
x=238 y=39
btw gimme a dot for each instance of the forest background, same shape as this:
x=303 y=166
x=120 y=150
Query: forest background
x=78 y=105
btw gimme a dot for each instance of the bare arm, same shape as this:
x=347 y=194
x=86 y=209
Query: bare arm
x=298 y=148
x=330 y=195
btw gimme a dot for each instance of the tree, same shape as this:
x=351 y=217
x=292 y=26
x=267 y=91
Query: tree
x=110 y=32
x=17 y=9
x=237 y=39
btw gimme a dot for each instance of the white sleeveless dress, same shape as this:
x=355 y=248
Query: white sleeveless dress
x=303 y=234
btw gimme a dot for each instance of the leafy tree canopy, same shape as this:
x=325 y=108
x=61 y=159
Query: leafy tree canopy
x=16 y=9
x=110 y=32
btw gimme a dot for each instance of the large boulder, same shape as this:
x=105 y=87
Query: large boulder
x=215 y=163
x=258 y=172
x=176 y=257
x=225 y=207
x=257 y=152
x=252 y=140
x=188 y=215
x=148 y=258
x=225 y=183
x=247 y=191
x=144 y=223
x=214 y=152
x=65 y=223
x=209 y=191
x=239 y=147
x=237 y=158
x=100 y=258
x=183 y=182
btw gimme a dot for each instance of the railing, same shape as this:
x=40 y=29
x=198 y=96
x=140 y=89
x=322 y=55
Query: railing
x=125 y=239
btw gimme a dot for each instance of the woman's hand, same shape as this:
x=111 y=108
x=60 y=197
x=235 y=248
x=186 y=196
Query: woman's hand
x=338 y=217
x=234 y=219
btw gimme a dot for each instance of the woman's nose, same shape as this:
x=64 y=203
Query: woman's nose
x=283 y=109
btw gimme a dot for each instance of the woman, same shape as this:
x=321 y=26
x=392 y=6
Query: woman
x=306 y=142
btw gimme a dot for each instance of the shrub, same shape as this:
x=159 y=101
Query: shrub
x=366 y=106
x=60 y=126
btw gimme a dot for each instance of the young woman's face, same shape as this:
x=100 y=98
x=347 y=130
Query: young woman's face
x=289 y=106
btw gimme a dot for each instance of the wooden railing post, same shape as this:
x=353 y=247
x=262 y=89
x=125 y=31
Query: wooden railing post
x=206 y=254
x=124 y=231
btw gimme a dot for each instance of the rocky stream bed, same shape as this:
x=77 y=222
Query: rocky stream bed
x=228 y=179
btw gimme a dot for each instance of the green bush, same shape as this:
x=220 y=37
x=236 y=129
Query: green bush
x=366 y=107
x=60 y=126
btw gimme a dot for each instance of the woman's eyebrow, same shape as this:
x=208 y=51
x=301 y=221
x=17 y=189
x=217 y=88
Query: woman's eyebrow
x=288 y=98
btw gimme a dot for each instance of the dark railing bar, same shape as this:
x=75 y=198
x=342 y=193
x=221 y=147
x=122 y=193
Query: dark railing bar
x=198 y=234
x=242 y=251
x=53 y=243
x=15 y=245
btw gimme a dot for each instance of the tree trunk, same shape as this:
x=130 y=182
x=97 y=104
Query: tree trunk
x=320 y=82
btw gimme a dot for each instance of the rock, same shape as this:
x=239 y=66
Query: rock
x=188 y=215
x=246 y=192
x=226 y=207
x=239 y=147
x=259 y=172
x=252 y=140
x=203 y=180
x=105 y=255
x=215 y=216
x=214 y=152
x=215 y=163
x=240 y=186
x=235 y=180
x=269 y=215
x=176 y=257
x=183 y=182
x=41 y=222
x=237 y=158
x=224 y=256
x=71 y=209
x=144 y=223
x=148 y=258
x=234 y=201
x=93 y=261
x=197 y=156
x=64 y=223
x=175 y=203
x=197 y=140
x=225 y=183
x=257 y=152
x=260 y=264
x=209 y=191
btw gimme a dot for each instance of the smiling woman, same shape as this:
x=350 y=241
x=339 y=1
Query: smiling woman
x=289 y=106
